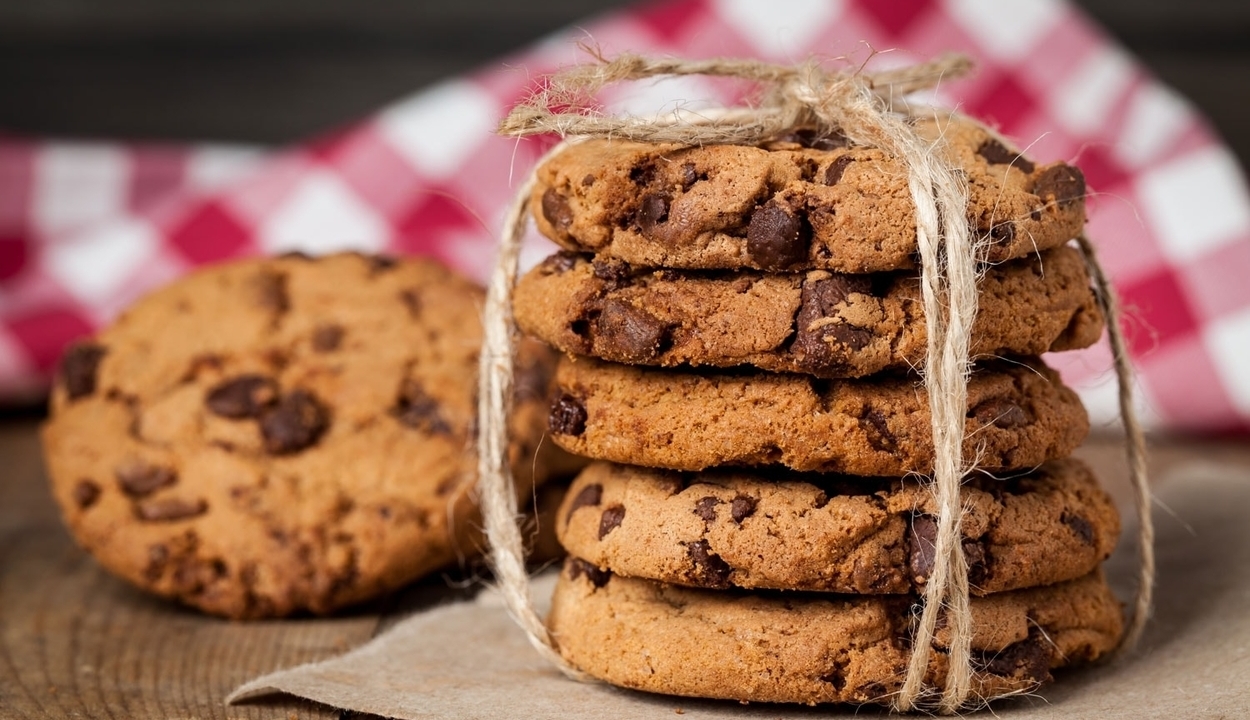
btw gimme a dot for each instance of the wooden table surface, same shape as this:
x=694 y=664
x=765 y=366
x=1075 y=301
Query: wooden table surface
x=75 y=642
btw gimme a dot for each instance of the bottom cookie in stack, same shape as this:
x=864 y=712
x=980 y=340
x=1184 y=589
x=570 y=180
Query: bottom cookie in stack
x=814 y=579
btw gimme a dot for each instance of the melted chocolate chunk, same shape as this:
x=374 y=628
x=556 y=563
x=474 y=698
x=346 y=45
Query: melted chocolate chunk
x=272 y=292
x=417 y=410
x=612 y=271
x=295 y=423
x=137 y=479
x=921 y=547
x=833 y=173
x=556 y=210
x=742 y=508
x=874 y=424
x=611 y=519
x=79 y=367
x=590 y=496
x=629 y=334
x=689 y=176
x=777 y=239
x=568 y=416
x=379 y=264
x=169 y=509
x=653 y=213
x=1060 y=183
x=559 y=263
x=86 y=493
x=1079 y=526
x=597 y=576
x=327 y=338
x=996 y=153
x=243 y=396
x=1028 y=659
x=705 y=508
x=817 y=345
x=709 y=569
x=1000 y=413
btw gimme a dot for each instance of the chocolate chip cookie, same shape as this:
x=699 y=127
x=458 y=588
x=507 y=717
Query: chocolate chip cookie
x=287 y=434
x=801 y=202
x=813 y=648
x=820 y=532
x=1019 y=415
x=823 y=323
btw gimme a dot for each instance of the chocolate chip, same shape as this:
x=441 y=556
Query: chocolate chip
x=689 y=176
x=833 y=173
x=776 y=238
x=709 y=570
x=86 y=493
x=875 y=426
x=416 y=409
x=1028 y=659
x=922 y=547
x=568 y=416
x=138 y=478
x=629 y=334
x=612 y=271
x=379 y=264
x=327 y=338
x=977 y=559
x=1079 y=525
x=597 y=576
x=820 y=346
x=169 y=509
x=79 y=367
x=559 y=263
x=589 y=496
x=742 y=508
x=813 y=138
x=653 y=212
x=158 y=556
x=556 y=209
x=243 y=396
x=706 y=508
x=643 y=174
x=588 y=179
x=294 y=423
x=272 y=292
x=1003 y=232
x=1061 y=183
x=411 y=300
x=611 y=519
x=997 y=153
x=1000 y=413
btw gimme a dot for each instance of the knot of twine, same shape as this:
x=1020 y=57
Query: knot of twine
x=862 y=107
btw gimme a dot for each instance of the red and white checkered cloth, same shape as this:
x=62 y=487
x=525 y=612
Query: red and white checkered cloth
x=84 y=230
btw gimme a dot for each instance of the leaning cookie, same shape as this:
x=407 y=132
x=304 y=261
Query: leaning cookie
x=801 y=202
x=813 y=648
x=282 y=435
x=811 y=531
x=1019 y=416
x=822 y=323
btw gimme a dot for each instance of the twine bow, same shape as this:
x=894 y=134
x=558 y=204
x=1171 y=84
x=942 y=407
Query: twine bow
x=866 y=108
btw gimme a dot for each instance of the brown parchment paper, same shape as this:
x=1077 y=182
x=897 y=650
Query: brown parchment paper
x=465 y=659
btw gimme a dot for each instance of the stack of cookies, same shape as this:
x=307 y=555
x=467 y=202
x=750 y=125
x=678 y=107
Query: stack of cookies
x=742 y=328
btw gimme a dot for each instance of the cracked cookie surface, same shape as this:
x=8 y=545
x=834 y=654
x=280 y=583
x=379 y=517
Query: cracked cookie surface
x=1019 y=416
x=822 y=323
x=809 y=531
x=797 y=203
x=813 y=648
x=285 y=434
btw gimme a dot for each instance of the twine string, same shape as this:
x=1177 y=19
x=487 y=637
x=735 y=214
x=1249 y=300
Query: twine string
x=862 y=107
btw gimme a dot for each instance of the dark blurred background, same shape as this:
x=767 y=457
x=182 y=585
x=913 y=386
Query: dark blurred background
x=274 y=71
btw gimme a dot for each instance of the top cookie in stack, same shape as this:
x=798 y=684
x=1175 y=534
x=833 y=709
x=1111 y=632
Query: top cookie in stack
x=733 y=315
